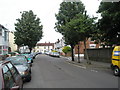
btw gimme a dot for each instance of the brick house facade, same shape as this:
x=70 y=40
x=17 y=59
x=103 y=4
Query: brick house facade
x=89 y=44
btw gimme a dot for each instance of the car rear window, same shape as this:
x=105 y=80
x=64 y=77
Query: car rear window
x=19 y=60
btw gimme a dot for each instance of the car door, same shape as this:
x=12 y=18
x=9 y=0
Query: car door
x=16 y=75
x=8 y=79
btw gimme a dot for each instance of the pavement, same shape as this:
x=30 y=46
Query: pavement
x=94 y=64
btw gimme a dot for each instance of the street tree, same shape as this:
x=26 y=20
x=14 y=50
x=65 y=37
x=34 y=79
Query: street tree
x=28 y=30
x=67 y=11
x=71 y=35
x=80 y=28
x=109 y=24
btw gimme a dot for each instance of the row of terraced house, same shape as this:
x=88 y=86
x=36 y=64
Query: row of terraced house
x=6 y=41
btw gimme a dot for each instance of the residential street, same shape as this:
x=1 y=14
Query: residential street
x=52 y=72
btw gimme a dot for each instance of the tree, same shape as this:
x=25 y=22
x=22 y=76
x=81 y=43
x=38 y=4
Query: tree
x=28 y=30
x=71 y=35
x=109 y=24
x=66 y=49
x=86 y=29
x=80 y=28
x=67 y=11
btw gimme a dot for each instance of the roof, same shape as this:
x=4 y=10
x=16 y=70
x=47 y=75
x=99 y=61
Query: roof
x=1 y=62
x=3 y=27
x=45 y=44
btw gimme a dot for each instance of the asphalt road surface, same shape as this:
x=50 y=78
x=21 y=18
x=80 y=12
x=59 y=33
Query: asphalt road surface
x=51 y=72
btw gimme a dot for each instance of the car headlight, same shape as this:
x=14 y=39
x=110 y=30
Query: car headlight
x=24 y=73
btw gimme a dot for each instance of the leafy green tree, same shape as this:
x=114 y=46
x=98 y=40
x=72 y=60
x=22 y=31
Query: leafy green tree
x=109 y=24
x=80 y=28
x=67 y=11
x=71 y=35
x=28 y=30
x=66 y=49
x=86 y=27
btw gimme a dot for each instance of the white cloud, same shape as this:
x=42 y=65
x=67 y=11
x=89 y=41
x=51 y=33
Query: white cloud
x=44 y=9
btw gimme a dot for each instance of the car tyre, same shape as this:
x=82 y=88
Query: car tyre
x=29 y=78
x=116 y=71
x=31 y=61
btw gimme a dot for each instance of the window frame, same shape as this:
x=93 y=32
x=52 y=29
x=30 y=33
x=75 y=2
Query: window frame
x=11 y=77
x=15 y=73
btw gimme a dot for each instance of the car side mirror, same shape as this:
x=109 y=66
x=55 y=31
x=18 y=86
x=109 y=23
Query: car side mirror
x=15 y=88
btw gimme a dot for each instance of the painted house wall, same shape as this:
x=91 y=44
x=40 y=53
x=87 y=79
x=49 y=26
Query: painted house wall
x=44 y=47
x=12 y=44
x=3 y=40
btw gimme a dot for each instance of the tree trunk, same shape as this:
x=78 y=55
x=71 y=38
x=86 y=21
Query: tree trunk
x=30 y=49
x=72 y=47
x=18 y=47
x=88 y=61
x=65 y=54
x=78 y=54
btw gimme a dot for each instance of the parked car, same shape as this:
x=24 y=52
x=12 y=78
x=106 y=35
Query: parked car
x=13 y=53
x=10 y=78
x=54 y=54
x=38 y=53
x=29 y=58
x=47 y=53
x=22 y=65
x=51 y=53
x=33 y=55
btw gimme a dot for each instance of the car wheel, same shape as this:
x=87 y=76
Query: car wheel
x=29 y=78
x=32 y=61
x=30 y=71
x=116 y=71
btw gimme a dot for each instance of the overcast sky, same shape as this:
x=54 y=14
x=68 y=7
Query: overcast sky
x=44 y=9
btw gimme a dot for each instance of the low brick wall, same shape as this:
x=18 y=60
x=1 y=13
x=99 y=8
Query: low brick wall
x=100 y=54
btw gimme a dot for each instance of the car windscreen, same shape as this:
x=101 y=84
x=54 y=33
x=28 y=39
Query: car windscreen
x=56 y=53
x=20 y=60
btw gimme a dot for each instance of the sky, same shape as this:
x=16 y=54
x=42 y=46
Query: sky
x=44 y=9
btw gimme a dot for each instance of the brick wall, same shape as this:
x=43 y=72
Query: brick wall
x=81 y=46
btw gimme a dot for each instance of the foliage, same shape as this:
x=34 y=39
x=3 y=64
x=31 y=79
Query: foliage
x=28 y=30
x=67 y=11
x=83 y=25
x=66 y=49
x=109 y=24
x=78 y=29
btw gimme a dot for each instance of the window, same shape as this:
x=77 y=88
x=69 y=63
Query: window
x=44 y=47
x=5 y=35
x=13 y=71
x=8 y=79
